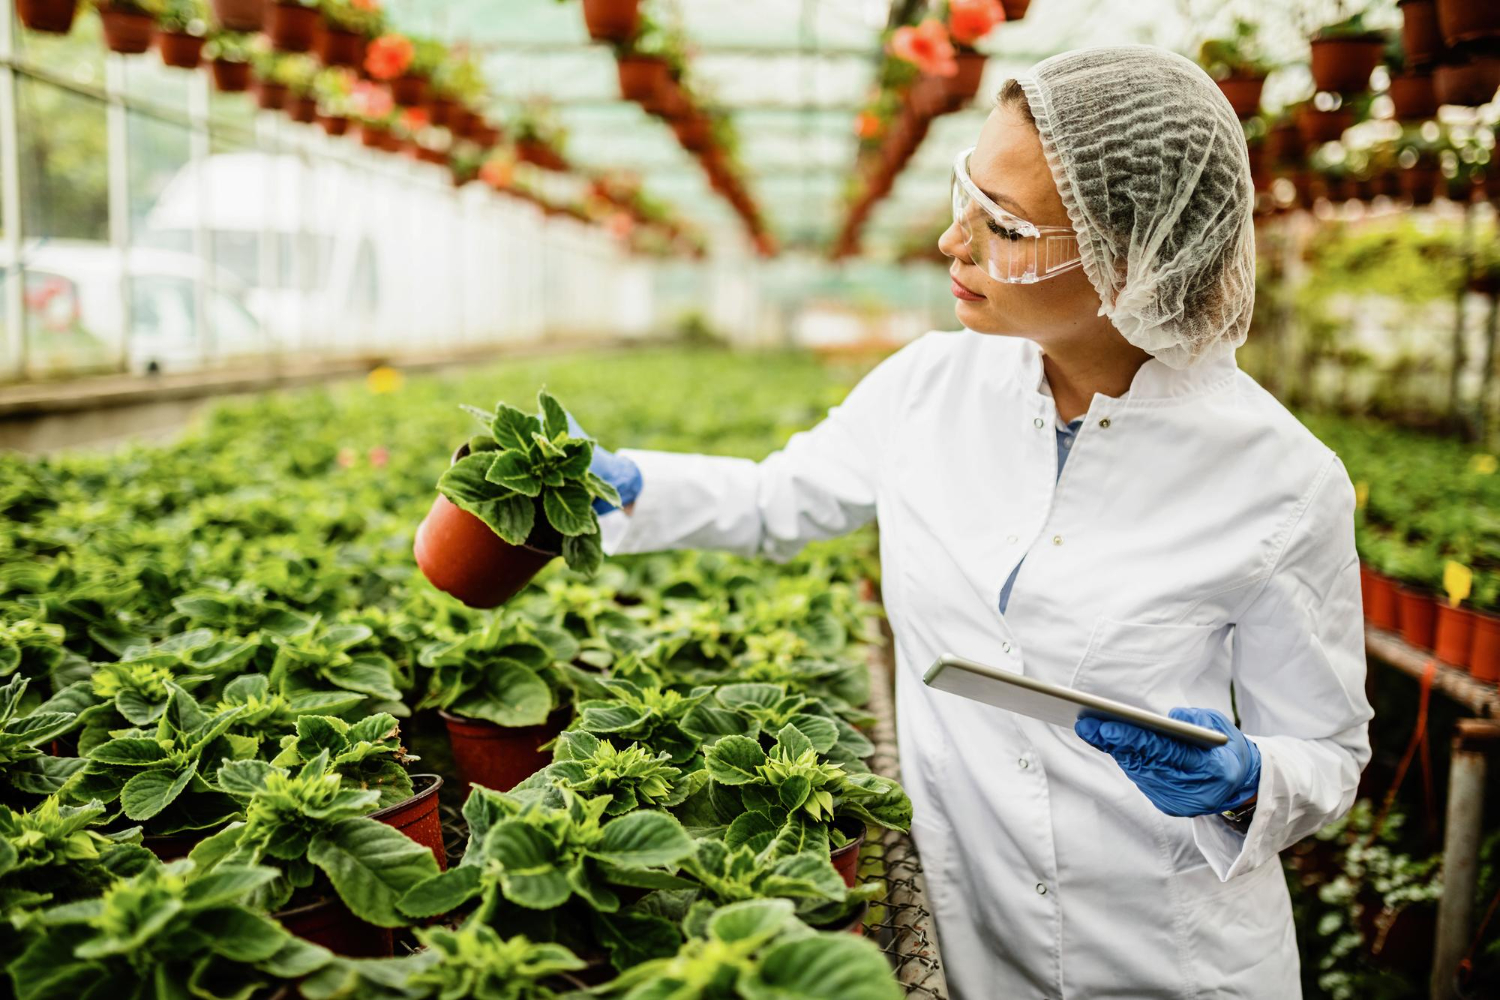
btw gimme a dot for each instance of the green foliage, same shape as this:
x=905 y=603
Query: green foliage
x=632 y=777
x=1239 y=55
x=367 y=755
x=504 y=673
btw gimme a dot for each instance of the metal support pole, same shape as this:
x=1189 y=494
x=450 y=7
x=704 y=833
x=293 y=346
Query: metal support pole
x=1461 y=837
x=199 y=149
x=117 y=127
x=12 y=278
x=1460 y=316
x=1487 y=414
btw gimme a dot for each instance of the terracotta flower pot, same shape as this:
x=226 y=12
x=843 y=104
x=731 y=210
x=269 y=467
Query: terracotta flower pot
x=372 y=136
x=1284 y=144
x=180 y=50
x=292 y=27
x=846 y=858
x=417 y=816
x=1343 y=65
x=1420 y=38
x=540 y=154
x=1454 y=638
x=641 y=78
x=127 y=31
x=409 y=91
x=339 y=48
x=964 y=85
x=1419 y=183
x=334 y=125
x=692 y=132
x=611 y=20
x=1244 y=94
x=271 y=96
x=439 y=111
x=1418 y=617
x=302 y=108
x=499 y=757
x=1468 y=20
x=1015 y=9
x=329 y=923
x=241 y=15
x=1463 y=84
x=1318 y=127
x=1414 y=97
x=462 y=121
x=231 y=77
x=1484 y=654
x=55 y=16
x=1382 y=606
x=437 y=156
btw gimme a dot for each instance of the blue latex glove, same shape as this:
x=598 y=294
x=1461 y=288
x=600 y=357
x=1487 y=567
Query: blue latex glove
x=620 y=472
x=1179 y=778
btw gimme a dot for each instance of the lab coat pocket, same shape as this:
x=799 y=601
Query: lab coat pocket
x=1148 y=665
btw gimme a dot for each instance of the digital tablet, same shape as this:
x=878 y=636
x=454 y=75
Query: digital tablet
x=1053 y=703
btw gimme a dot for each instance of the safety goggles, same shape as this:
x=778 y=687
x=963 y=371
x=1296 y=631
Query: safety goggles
x=1009 y=248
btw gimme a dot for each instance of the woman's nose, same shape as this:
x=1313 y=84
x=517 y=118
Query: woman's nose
x=953 y=244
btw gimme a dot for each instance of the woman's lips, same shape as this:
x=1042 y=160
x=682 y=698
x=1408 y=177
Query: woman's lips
x=960 y=291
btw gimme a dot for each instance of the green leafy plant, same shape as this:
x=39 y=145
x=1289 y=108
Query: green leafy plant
x=368 y=755
x=529 y=480
x=360 y=18
x=267 y=715
x=34 y=649
x=727 y=875
x=660 y=718
x=308 y=822
x=23 y=766
x=183 y=17
x=771 y=708
x=1238 y=55
x=632 y=777
x=504 y=673
x=330 y=656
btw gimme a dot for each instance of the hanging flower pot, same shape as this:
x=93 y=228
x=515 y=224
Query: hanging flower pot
x=1284 y=144
x=1243 y=93
x=372 y=136
x=1468 y=20
x=271 y=96
x=611 y=20
x=181 y=50
x=334 y=125
x=417 y=816
x=302 y=108
x=439 y=110
x=240 y=15
x=329 y=923
x=1419 y=183
x=1454 y=635
x=692 y=132
x=409 y=91
x=340 y=48
x=846 y=859
x=928 y=96
x=127 y=31
x=1317 y=126
x=1420 y=38
x=1015 y=9
x=55 y=16
x=231 y=77
x=672 y=101
x=1342 y=64
x=642 y=78
x=1382 y=605
x=292 y=27
x=500 y=757
x=1414 y=97
x=964 y=85
x=1484 y=654
x=1463 y=84
x=538 y=153
x=428 y=155
x=1418 y=617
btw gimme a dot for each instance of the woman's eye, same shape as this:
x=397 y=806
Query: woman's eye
x=1000 y=230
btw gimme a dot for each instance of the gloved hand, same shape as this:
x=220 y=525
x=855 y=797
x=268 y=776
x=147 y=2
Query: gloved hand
x=620 y=472
x=1179 y=778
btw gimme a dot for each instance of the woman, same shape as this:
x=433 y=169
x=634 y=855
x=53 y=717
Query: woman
x=1195 y=553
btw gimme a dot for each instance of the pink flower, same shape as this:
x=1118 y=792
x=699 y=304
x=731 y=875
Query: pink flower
x=971 y=20
x=927 y=47
x=370 y=101
x=620 y=225
x=347 y=458
x=379 y=456
x=389 y=56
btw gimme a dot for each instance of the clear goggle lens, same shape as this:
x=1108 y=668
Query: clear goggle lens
x=1007 y=247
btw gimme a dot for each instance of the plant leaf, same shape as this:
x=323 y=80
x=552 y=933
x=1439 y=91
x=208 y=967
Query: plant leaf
x=442 y=893
x=512 y=469
x=735 y=760
x=643 y=839
x=583 y=553
x=371 y=866
x=570 y=510
x=149 y=792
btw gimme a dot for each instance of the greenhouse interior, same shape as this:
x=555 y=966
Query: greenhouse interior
x=470 y=532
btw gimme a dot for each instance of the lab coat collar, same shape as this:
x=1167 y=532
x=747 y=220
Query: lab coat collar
x=1153 y=381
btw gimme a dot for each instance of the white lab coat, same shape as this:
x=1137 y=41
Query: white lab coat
x=1199 y=539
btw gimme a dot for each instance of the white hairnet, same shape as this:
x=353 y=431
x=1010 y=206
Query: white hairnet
x=1151 y=164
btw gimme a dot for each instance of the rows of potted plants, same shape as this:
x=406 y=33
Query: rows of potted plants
x=930 y=68
x=1428 y=539
x=207 y=699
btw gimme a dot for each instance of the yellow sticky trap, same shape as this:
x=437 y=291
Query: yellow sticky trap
x=1361 y=495
x=1458 y=581
x=384 y=379
x=1484 y=464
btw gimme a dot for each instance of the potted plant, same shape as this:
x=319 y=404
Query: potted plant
x=515 y=497
x=1319 y=125
x=372 y=107
x=1454 y=635
x=240 y=15
x=347 y=26
x=611 y=20
x=968 y=22
x=1416 y=569
x=1382 y=605
x=24 y=766
x=334 y=89
x=1464 y=80
x=55 y=16
x=1238 y=66
x=1484 y=654
x=1344 y=54
x=129 y=25
x=1413 y=96
x=228 y=53
x=1420 y=37
x=180 y=29
x=275 y=73
x=646 y=62
x=405 y=64
x=457 y=83
x=1464 y=21
x=292 y=25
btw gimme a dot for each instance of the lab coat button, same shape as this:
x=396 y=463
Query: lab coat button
x=1057 y=539
x=1023 y=763
x=1010 y=539
x=1005 y=646
x=1039 y=423
x=1104 y=422
x=1041 y=890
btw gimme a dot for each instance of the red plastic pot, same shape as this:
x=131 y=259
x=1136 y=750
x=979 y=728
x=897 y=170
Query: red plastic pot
x=846 y=858
x=611 y=20
x=372 y=136
x=499 y=757
x=1015 y=9
x=339 y=48
x=1342 y=65
x=334 y=125
x=1463 y=84
x=417 y=817
x=1382 y=605
x=1420 y=38
x=292 y=27
x=301 y=108
x=271 y=96
x=127 y=31
x=641 y=78
x=55 y=16
x=1243 y=93
x=462 y=121
x=1468 y=20
x=1318 y=127
x=439 y=111
x=1418 y=617
x=241 y=15
x=329 y=923
x=231 y=77
x=180 y=50
x=1484 y=654
x=964 y=85
x=1414 y=97
x=409 y=91
x=692 y=132
x=1453 y=640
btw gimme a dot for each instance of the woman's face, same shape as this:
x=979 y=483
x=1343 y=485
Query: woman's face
x=1008 y=165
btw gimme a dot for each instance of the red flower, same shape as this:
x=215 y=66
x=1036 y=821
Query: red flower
x=415 y=118
x=372 y=6
x=379 y=457
x=496 y=173
x=620 y=225
x=389 y=56
x=868 y=125
x=971 y=20
x=927 y=47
